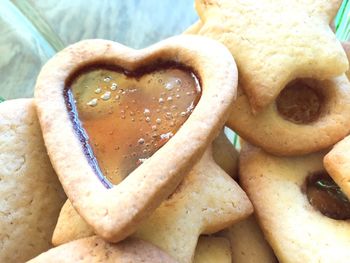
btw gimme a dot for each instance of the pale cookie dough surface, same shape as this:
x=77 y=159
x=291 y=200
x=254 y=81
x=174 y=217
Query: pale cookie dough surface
x=248 y=243
x=297 y=232
x=279 y=136
x=94 y=249
x=225 y=155
x=30 y=193
x=337 y=164
x=274 y=42
x=206 y=201
x=213 y=250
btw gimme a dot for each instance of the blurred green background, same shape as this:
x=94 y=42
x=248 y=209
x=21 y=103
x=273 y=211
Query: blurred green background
x=32 y=31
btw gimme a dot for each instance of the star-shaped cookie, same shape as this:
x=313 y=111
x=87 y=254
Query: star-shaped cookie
x=274 y=42
x=206 y=201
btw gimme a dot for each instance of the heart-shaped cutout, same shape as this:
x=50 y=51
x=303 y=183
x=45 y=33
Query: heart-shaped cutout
x=115 y=213
x=126 y=117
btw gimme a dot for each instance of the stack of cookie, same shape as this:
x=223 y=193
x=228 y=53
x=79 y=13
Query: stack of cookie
x=121 y=155
x=293 y=106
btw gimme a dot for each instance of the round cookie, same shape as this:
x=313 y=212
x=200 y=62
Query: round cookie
x=30 y=193
x=263 y=128
x=273 y=132
x=296 y=230
x=94 y=249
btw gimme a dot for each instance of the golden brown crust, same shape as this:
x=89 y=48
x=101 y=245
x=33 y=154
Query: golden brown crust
x=296 y=231
x=206 y=201
x=30 y=193
x=146 y=187
x=337 y=164
x=275 y=42
x=95 y=249
x=270 y=131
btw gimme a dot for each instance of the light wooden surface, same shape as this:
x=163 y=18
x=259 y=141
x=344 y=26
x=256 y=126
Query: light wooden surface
x=32 y=31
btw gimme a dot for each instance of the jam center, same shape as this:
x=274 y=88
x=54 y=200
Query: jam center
x=326 y=196
x=126 y=117
x=299 y=102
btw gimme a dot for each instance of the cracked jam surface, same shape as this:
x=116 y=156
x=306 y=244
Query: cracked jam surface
x=123 y=118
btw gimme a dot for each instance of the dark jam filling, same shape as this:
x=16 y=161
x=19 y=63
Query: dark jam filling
x=300 y=102
x=122 y=117
x=326 y=196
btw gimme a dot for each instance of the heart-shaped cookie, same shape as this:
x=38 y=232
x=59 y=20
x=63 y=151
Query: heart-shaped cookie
x=114 y=211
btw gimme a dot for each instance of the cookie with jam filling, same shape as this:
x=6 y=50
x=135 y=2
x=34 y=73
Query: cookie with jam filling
x=81 y=123
x=307 y=116
x=274 y=42
x=303 y=213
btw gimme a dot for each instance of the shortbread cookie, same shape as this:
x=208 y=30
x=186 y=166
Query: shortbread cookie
x=206 y=201
x=213 y=250
x=225 y=155
x=31 y=195
x=303 y=215
x=70 y=225
x=337 y=164
x=275 y=42
x=205 y=63
x=308 y=116
x=95 y=249
x=248 y=243
x=328 y=127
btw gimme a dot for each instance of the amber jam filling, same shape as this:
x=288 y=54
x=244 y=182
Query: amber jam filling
x=122 y=118
x=326 y=196
x=300 y=101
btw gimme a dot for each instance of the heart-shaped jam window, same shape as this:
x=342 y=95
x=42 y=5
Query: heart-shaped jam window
x=124 y=117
